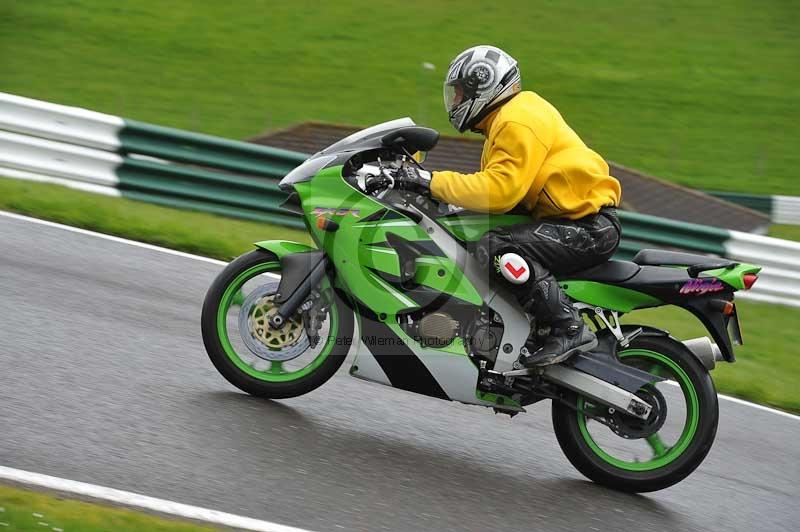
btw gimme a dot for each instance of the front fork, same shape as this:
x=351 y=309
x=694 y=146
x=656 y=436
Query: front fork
x=303 y=274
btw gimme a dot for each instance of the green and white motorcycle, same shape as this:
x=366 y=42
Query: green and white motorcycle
x=638 y=413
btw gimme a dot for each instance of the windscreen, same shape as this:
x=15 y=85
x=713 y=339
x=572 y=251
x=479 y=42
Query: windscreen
x=371 y=132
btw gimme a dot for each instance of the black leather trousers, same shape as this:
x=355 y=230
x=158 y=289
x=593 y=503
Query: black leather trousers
x=553 y=246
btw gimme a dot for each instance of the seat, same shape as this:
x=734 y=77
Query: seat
x=660 y=257
x=613 y=271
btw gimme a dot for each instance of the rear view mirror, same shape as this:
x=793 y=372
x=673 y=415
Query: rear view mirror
x=413 y=139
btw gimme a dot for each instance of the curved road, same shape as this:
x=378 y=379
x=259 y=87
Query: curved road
x=103 y=379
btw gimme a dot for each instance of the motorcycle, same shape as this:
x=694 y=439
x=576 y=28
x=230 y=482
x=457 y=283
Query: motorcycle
x=638 y=413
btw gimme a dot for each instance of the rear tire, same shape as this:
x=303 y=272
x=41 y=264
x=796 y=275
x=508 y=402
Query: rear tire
x=679 y=460
x=223 y=356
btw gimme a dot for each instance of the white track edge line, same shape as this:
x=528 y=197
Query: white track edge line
x=748 y=403
x=144 y=502
x=110 y=237
x=759 y=407
x=222 y=263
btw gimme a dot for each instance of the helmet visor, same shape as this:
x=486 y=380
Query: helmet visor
x=453 y=96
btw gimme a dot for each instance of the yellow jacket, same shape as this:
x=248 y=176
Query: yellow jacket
x=533 y=158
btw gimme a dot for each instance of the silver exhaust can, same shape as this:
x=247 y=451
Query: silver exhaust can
x=706 y=351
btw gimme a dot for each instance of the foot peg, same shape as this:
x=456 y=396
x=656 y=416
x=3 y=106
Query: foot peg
x=559 y=348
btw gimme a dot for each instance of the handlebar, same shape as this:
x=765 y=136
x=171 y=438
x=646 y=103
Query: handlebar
x=386 y=180
x=376 y=183
x=381 y=181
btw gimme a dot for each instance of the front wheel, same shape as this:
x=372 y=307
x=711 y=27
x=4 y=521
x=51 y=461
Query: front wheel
x=262 y=361
x=637 y=456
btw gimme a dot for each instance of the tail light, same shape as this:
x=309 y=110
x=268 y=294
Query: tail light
x=749 y=279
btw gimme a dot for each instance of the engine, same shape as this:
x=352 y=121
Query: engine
x=478 y=330
x=484 y=336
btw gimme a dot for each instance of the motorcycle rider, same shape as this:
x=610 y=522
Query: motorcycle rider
x=533 y=161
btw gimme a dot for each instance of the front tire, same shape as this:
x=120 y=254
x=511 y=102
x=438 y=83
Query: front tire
x=243 y=368
x=669 y=464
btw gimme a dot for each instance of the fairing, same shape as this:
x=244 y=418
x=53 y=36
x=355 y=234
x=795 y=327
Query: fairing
x=366 y=138
x=338 y=152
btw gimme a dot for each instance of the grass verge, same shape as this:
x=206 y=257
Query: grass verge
x=193 y=232
x=701 y=92
x=785 y=231
x=24 y=510
x=767 y=367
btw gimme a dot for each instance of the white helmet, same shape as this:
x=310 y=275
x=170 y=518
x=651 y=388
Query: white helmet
x=478 y=80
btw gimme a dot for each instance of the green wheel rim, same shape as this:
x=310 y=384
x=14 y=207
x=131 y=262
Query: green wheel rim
x=275 y=373
x=663 y=455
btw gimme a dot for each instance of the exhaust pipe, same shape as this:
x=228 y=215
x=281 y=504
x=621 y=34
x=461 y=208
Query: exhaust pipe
x=706 y=351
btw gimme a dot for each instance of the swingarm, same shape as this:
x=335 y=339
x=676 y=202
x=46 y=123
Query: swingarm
x=597 y=375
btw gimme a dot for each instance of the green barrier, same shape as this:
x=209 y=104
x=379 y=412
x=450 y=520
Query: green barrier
x=751 y=201
x=205 y=186
x=217 y=175
x=673 y=233
x=206 y=150
x=627 y=249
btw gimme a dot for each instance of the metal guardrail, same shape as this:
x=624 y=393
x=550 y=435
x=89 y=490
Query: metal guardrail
x=779 y=280
x=786 y=210
x=110 y=155
x=781 y=209
x=206 y=150
x=107 y=154
x=648 y=230
x=71 y=125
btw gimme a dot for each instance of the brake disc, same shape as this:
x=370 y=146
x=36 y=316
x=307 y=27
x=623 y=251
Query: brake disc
x=286 y=343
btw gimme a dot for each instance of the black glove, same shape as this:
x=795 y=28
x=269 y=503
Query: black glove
x=414 y=179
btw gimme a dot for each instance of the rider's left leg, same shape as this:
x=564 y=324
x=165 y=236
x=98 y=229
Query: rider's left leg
x=553 y=246
x=569 y=335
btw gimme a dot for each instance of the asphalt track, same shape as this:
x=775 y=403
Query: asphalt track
x=103 y=379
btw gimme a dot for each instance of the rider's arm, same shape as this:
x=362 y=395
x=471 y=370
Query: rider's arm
x=512 y=165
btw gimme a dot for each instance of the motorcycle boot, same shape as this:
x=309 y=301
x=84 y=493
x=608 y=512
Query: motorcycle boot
x=569 y=334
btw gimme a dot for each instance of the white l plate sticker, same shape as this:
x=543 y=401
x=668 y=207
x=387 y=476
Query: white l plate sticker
x=514 y=268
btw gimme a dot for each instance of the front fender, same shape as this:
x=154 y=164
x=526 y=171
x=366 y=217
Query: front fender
x=283 y=247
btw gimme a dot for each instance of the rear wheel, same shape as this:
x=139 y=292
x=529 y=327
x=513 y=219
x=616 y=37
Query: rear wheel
x=258 y=359
x=639 y=456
